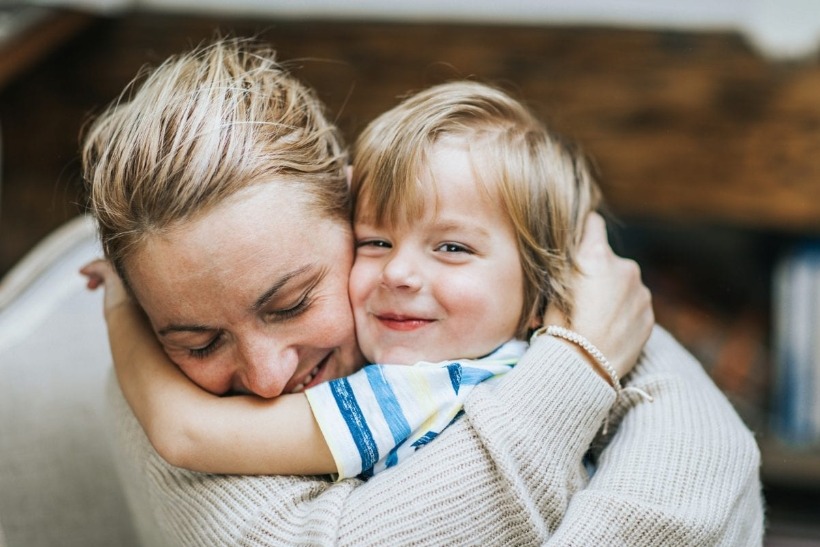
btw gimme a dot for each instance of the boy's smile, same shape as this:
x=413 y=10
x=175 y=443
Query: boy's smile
x=402 y=322
x=446 y=285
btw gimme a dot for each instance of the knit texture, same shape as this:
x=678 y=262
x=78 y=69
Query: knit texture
x=682 y=470
x=383 y=414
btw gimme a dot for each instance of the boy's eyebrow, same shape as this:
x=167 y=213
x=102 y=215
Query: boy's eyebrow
x=455 y=225
x=443 y=225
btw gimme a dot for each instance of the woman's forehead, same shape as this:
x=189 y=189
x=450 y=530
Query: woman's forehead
x=236 y=248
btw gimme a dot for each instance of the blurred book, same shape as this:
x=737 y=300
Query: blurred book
x=796 y=346
x=711 y=288
x=730 y=344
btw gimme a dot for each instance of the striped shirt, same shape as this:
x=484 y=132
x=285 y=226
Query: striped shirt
x=380 y=415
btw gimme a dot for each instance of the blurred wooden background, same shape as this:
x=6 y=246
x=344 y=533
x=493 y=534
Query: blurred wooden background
x=684 y=126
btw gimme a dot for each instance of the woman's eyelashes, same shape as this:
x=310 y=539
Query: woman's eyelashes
x=300 y=306
x=295 y=310
x=302 y=303
x=204 y=351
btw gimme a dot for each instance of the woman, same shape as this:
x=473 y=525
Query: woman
x=221 y=196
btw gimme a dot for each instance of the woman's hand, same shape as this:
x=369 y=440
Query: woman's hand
x=100 y=272
x=613 y=308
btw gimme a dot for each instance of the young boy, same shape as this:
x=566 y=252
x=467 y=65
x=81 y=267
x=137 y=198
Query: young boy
x=466 y=214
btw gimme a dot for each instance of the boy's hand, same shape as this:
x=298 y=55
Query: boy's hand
x=613 y=308
x=100 y=272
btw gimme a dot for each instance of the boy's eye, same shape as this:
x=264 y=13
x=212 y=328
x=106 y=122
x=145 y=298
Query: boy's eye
x=376 y=243
x=453 y=248
x=372 y=247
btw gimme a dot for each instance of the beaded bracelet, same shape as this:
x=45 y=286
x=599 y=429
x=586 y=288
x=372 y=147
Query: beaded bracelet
x=595 y=353
x=587 y=346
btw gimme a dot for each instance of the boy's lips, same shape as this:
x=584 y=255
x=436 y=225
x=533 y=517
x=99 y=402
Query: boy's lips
x=402 y=322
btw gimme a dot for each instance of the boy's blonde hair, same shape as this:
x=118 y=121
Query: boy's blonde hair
x=201 y=127
x=542 y=184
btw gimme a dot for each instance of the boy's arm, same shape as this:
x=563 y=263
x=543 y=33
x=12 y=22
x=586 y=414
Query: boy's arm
x=197 y=430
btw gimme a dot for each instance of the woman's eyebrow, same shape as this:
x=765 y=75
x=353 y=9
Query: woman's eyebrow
x=183 y=328
x=277 y=286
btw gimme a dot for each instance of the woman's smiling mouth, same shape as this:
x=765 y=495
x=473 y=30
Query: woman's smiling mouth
x=310 y=379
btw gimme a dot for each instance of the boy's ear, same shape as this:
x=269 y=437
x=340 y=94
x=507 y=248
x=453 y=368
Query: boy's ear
x=349 y=175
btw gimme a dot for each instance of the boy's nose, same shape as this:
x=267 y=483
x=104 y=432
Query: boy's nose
x=402 y=272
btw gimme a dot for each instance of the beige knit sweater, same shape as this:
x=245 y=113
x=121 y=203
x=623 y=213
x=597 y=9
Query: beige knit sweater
x=682 y=470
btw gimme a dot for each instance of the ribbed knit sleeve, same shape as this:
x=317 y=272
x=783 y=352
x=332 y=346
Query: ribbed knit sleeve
x=683 y=470
x=509 y=473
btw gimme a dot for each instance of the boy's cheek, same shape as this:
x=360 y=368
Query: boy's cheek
x=360 y=283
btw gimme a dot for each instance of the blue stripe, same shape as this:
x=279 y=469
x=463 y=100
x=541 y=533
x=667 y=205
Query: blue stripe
x=389 y=404
x=424 y=439
x=393 y=456
x=455 y=376
x=356 y=423
x=474 y=376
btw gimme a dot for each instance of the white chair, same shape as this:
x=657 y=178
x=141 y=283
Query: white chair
x=58 y=484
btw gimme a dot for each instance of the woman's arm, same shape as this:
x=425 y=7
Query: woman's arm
x=683 y=470
x=192 y=428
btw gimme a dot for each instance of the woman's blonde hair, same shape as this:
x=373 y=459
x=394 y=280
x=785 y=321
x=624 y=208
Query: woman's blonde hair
x=199 y=128
x=543 y=184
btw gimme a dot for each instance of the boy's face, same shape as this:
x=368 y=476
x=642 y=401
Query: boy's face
x=447 y=285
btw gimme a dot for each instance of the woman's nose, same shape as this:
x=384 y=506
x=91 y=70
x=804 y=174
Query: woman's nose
x=401 y=271
x=267 y=367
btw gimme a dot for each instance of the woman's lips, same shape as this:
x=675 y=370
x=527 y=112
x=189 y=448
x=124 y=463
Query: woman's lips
x=312 y=377
x=402 y=323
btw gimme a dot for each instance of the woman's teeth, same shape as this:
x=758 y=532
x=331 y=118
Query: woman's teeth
x=308 y=379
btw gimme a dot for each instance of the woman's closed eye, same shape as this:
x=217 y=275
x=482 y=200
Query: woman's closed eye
x=204 y=351
x=298 y=308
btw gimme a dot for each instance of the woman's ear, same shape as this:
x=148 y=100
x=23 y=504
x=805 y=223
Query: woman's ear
x=349 y=175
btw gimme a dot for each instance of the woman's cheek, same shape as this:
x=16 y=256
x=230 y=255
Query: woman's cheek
x=208 y=373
